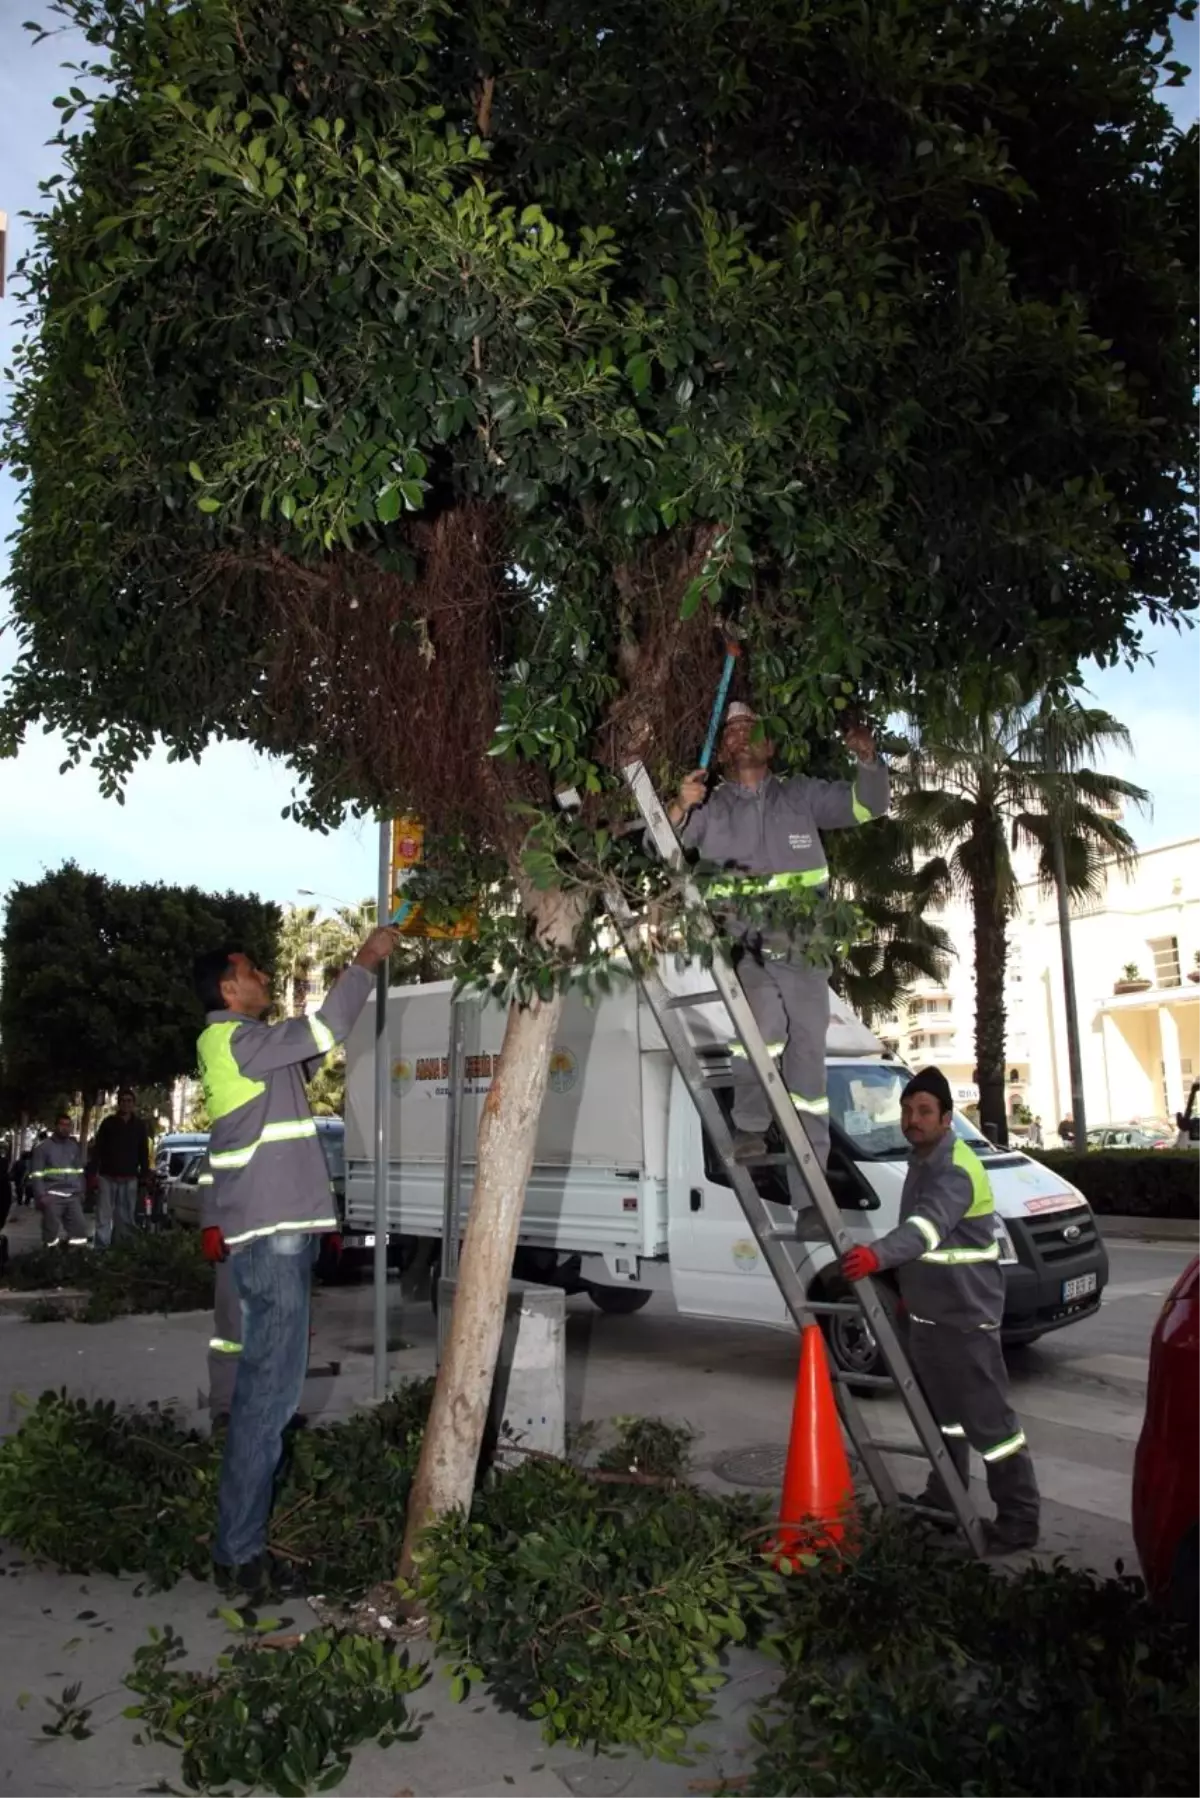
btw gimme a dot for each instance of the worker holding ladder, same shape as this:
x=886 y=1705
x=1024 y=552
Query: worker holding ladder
x=766 y=832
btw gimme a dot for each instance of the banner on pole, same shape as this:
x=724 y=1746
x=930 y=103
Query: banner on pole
x=408 y=849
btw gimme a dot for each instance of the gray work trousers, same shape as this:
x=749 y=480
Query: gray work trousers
x=63 y=1219
x=225 y=1344
x=790 y=1003
x=965 y=1382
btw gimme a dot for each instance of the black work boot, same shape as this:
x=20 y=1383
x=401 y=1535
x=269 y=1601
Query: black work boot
x=259 y=1580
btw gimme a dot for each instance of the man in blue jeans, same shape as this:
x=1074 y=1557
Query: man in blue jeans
x=271 y=1202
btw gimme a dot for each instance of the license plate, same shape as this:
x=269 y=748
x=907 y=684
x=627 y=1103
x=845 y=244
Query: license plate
x=1079 y=1287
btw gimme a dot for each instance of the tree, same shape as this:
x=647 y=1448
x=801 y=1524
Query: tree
x=96 y=984
x=980 y=782
x=883 y=872
x=413 y=387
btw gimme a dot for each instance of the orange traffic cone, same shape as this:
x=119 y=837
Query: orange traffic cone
x=818 y=1492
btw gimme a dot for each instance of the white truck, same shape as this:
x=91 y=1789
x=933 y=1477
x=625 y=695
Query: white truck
x=626 y=1197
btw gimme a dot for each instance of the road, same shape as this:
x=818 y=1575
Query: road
x=1080 y=1392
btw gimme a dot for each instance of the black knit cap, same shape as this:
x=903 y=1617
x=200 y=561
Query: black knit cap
x=933 y=1082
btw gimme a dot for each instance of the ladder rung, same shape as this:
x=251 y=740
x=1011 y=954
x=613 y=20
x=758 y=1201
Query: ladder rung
x=831 y=1308
x=871 y=1379
x=710 y=996
x=761 y=1161
x=719 y=1081
x=898 y=1448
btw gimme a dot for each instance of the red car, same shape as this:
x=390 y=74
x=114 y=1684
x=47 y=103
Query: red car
x=1166 y=1482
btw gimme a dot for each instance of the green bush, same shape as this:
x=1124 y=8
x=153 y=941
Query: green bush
x=912 y=1671
x=163 y=1271
x=1133 y=1182
x=86 y=1487
x=603 y=1610
x=275 y=1719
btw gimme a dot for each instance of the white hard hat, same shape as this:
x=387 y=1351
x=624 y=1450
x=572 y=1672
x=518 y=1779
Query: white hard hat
x=739 y=709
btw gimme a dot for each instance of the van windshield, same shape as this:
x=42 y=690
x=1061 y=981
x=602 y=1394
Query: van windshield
x=864 y=1107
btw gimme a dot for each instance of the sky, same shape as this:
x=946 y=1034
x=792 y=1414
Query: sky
x=217 y=823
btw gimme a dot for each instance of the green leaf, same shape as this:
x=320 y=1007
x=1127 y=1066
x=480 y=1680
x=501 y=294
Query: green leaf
x=387 y=506
x=206 y=503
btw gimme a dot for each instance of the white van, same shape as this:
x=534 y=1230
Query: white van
x=626 y=1199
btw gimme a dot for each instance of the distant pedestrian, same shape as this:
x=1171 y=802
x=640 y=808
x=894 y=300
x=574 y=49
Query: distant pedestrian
x=270 y=1204
x=56 y=1179
x=6 y=1188
x=121 y=1158
x=1066 y=1131
x=1036 y=1138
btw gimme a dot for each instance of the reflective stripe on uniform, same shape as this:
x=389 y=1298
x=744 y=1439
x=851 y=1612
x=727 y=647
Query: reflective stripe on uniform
x=288 y=1130
x=953 y=1429
x=749 y=884
x=965 y=1159
x=220 y=1346
x=739 y=1050
x=1002 y=1450
x=862 y=813
x=927 y=1230
x=322 y=1035
x=311 y=1225
x=47 y=1173
x=205 y=1180
x=818 y=1108
x=226 y=1088
x=957 y=1257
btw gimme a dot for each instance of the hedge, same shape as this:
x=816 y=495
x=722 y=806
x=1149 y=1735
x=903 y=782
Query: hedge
x=1133 y=1182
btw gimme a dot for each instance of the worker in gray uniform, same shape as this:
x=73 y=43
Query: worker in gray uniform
x=766 y=832
x=56 y=1178
x=947 y=1262
x=225 y=1343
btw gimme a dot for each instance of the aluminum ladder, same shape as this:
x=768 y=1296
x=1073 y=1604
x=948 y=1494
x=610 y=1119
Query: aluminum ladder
x=777 y=1245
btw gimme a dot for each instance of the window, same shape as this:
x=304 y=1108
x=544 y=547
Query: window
x=1165 y=951
x=941 y=1039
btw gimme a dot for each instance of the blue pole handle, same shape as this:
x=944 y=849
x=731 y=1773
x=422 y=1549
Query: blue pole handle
x=714 y=723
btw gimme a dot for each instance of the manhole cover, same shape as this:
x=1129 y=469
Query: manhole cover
x=753 y=1466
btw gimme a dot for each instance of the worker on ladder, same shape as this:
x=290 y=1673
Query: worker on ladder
x=766 y=832
x=947 y=1261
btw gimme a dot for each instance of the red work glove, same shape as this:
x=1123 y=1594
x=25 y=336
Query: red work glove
x=858 y=1263
x=212 y=1244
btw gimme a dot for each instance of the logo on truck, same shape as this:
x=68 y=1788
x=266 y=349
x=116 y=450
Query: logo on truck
x=564 y=1071
x=402 y=1077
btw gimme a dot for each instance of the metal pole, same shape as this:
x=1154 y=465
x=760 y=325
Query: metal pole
x=1070 y=1010
x=382 y=1121
x=452 y=1167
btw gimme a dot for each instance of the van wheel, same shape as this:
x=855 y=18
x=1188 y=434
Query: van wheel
x=618 y=1301
x=851 y=1341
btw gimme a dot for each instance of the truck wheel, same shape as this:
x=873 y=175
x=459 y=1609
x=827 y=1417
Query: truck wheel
x=851 y=1341
x=618 y=1301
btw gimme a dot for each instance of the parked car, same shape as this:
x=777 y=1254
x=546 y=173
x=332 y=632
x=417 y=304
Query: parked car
x=1166 y=1485
x=183 y=1198
x=175 y=1151
x=1143 y=1133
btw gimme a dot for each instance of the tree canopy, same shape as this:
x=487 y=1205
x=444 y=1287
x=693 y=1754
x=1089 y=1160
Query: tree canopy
x=983 y=781
x=96 y=984
x=412 y=386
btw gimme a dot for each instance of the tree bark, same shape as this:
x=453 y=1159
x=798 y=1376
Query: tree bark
x=991 y=958
x=445 y=1477
x=1070 y=1007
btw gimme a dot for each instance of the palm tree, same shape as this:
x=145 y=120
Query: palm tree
x=880 y=870
x=988 y=778
x=297 y=956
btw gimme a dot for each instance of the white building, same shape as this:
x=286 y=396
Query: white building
x=1140 y=1045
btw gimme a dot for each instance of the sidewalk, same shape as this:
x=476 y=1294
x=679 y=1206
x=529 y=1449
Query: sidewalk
x=733 y=1384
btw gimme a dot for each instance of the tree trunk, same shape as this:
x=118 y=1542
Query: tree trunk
x=1070 y=1007
x=991 y=958
x=87 y=1104
x=445 y=1477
